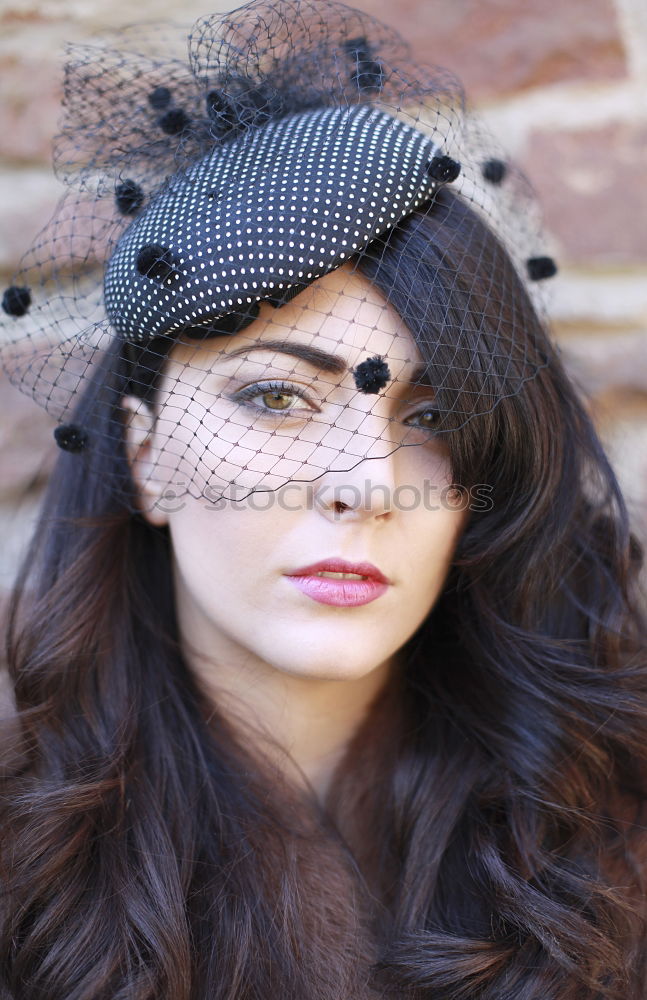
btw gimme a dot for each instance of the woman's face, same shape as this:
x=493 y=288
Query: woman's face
x=235 y=560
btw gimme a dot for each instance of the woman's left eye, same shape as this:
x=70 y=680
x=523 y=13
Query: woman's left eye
x=277 y=397
x=428 y=417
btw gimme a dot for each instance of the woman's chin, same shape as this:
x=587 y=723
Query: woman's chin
x=337 y=664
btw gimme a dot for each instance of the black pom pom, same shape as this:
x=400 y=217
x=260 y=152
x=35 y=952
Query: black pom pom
x=159 y=98
x=358 y=48
x=541 y=267
x=221 y=112
x=494 y=171
x=369 y=76
x=174 y=121
x=369 y=73
x=371 y=375
x=443 y=168
x=156 y=262
x=70 y=437
x=262 y=104
x=16 y=300
x=129 y=197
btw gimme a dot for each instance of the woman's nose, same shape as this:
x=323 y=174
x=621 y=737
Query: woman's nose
x=363 y=492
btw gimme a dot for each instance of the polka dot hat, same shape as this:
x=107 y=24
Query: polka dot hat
x=301 y=196
x=271 y=211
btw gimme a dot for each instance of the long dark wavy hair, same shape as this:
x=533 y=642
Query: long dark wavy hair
x=482 y=836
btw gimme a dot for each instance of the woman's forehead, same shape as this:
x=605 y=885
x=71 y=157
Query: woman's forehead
x=341 y=314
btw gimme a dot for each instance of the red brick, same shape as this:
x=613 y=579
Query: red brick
x=615 y=362
x=28 y=199
x=30 y=107
x=593 y=189
x=503 y=46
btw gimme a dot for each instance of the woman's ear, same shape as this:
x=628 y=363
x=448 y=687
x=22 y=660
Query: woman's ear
x=142 y=454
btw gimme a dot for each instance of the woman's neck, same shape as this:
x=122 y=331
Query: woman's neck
x=302 y=724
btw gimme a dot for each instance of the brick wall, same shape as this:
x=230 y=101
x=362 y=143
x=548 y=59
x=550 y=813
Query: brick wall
x=563 y=85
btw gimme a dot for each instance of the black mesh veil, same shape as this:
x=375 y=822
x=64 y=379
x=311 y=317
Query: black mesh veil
x=292 y=250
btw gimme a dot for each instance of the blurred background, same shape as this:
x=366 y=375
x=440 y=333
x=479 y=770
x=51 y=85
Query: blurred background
x=563 y=84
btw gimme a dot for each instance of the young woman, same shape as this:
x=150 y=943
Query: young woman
x=328 y=658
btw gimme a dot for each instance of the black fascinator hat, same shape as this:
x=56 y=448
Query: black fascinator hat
x=206 y=192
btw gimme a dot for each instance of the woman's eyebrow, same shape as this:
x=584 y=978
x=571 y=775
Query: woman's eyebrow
x=312 y=355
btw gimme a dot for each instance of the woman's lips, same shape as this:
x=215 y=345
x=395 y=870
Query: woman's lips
x=344 y=593
x=341 y=592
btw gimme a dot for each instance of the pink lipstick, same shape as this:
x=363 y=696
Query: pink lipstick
x=351 y=585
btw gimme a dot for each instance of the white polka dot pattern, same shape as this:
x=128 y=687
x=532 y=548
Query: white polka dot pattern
x=274 y=208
